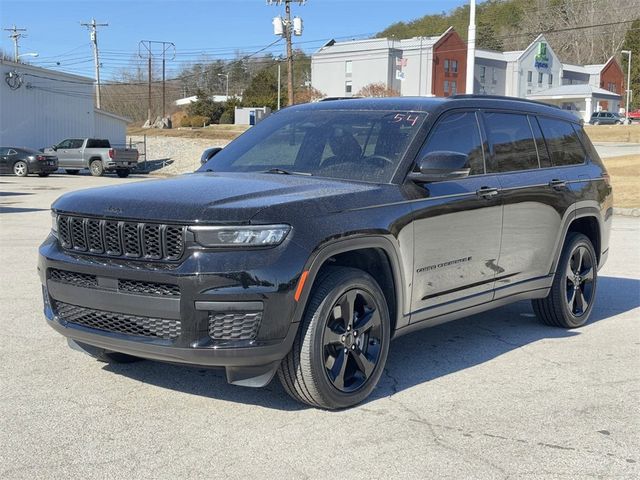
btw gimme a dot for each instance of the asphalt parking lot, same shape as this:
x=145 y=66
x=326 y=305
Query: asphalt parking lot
x=497 y=395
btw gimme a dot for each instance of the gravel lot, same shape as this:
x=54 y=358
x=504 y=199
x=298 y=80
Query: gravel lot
x=496 y=395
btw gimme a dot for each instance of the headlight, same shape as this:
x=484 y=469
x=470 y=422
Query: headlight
x=251 y=236
x=54 y=224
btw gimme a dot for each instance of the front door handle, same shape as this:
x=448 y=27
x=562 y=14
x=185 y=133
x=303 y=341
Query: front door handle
x=487 y=192
x=557 y=184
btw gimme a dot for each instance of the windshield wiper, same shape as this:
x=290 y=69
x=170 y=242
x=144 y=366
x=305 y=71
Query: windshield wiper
x=281 y=171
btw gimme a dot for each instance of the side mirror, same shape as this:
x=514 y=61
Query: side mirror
x=441 y=165
x=208 y=154
x=54 y=148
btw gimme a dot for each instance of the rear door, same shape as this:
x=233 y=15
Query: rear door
x=457 y=225
x=535 y=199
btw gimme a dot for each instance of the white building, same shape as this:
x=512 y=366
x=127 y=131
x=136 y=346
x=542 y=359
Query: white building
x=538 y=74
x=40 y=107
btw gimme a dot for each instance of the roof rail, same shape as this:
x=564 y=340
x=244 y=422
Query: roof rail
x=501 y=97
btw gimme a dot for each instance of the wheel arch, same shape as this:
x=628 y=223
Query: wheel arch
x=375 y=255
x=588 y=221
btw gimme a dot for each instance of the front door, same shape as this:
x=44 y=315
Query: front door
x=457 y=226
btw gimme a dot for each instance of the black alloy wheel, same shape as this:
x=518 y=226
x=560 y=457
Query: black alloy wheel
x=572 y=294
x=580 y=277
x=352 y=340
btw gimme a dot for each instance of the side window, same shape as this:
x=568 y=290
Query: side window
x=512 y=140
x=76 y=143
x=64 y=144
x=3 y=151
x=563 y=142
x=12 y=152
x=458 y=132
x=543 y=154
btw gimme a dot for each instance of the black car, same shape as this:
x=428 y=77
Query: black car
x=22 y=161
x=308 y=243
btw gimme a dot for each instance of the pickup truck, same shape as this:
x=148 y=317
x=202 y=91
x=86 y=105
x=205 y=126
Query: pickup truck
x=97 y=155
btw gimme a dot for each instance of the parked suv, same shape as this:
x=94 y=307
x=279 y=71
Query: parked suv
x=308 y=243
x=605 y=118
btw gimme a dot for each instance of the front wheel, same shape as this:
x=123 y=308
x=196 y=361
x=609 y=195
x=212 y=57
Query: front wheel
x=20 y=169
x=96 y=168
x=342 y=344
x=573 y=292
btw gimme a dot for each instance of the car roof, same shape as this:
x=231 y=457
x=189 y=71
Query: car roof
x=432 y=104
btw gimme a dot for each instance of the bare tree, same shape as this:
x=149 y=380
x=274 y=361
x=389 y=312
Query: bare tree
x=377 y=90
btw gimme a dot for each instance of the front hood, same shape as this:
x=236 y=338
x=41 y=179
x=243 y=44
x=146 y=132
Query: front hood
x=212 y=197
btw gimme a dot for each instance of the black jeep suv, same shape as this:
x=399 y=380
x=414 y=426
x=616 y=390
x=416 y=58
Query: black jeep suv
x=328 y=229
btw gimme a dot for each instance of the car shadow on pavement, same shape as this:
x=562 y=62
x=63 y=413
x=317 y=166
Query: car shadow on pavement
x=153 y=165
x=413 y=359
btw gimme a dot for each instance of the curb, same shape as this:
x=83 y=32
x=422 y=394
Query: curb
x=627 y=212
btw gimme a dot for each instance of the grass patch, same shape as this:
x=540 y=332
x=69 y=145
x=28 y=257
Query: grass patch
x=614 y=133
x=625 y=179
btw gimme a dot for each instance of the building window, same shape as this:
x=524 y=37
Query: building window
x=483 y=74
x=348 y=65
x=529 y=77
x=612 y=87
x=348 y=87
x=454 y=87
x=446 y=64
x=454 y=66
x=540 y=78
x=550 y=79
x=494 y=75
x=446 y=87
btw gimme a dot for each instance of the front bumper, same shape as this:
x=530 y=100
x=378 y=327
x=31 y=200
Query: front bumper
x=213 y=310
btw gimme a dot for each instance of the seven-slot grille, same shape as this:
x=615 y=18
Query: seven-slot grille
x=118 y=322
x=148 y=241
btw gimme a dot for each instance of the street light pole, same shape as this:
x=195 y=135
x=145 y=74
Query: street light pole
x=471 y=48
x=626 y=110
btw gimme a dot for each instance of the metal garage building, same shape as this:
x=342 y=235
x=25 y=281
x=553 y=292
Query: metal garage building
x=40 y=107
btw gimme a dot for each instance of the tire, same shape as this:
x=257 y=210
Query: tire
x=43 y=174
x=96 y=168
x=324 y=338
x=618 y=122
x=107 y=356
x=122 y=173
x=20 y=169
x=574 y=285
x=596 y=122
x=72 y=172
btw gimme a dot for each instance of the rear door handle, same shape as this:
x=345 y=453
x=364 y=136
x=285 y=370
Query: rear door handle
x=558 y=184
x=487 y=192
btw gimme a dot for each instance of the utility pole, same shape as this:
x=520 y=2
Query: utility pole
x=279 y=87
x=287 y=29
x=147 y=45
x=16 y=36
x=471 y=49
x=626 y=110
x=93 y=34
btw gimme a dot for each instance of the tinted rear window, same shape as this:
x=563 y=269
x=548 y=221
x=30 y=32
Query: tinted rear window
x=513 y=145
x=97 y=143
x=563 y=142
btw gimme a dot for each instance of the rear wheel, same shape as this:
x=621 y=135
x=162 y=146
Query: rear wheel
x=573 y=292
x=122 y=173
x=20 y=169
x=341 y=348
x=96 y=168
x=71 y=172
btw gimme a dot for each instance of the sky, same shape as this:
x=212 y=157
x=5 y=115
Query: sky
x=216 y=28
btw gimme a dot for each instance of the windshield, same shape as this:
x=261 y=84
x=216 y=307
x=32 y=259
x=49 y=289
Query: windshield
x=364 y=145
